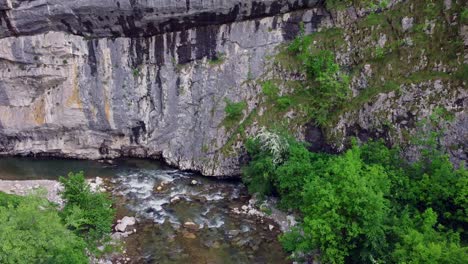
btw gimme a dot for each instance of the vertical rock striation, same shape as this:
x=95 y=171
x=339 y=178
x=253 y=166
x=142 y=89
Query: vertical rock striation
x=111 y=78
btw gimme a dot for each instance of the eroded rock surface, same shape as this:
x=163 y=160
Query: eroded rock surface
x=75 y=82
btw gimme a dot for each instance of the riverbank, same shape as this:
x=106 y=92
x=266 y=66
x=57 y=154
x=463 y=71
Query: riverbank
x=180 y=217
x=24 y=187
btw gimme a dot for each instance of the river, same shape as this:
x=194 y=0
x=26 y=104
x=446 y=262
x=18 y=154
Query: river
x=222 y=236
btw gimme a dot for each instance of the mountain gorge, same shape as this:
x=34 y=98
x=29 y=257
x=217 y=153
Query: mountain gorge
x=139 y=78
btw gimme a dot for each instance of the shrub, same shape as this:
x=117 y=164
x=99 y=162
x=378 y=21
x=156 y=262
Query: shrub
x=421 y=242
x=31 y=232
x=344 y=208
x=367 y=205
x=217 y=59
x=136 y=72
x=234 y=111
x=464 y=16
x=89 y=214
x=283 y=102
x=270 y=90
x=327 y=87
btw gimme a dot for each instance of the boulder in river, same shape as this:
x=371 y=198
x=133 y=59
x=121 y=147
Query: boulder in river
x=191 y=225
x=175 y=199
x=124 y=223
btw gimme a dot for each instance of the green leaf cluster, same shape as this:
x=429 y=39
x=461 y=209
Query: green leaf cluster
x=89 y=214
x=326 y=85
x=234 y=110
x=31 y=231
x=368 y=205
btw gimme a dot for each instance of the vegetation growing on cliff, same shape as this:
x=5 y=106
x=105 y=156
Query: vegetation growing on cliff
x=367 y=205
x=33 y=230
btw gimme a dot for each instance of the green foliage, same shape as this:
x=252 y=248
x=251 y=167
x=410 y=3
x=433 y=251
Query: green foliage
x=327 y=86
x=371 y=4
x=217 y=59
x=369 y=205
x=344 y=208
x=136 y=72
x=338 y=4
x=31 y=232
x=270 y=90
x=464 y=15
x=379 y=52
x=283 y=102
x=89 y=214
x=259 y=175
x=234 y=110
x=421 y=242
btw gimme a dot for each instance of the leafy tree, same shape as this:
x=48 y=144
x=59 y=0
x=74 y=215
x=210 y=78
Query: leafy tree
x=344 y=209
x=31 y=232
x=259 y=175
x=420 y=242
x=89 y=214
x=367 y=205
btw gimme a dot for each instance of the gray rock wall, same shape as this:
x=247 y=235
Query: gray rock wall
x=132 y=18
x=76 y=82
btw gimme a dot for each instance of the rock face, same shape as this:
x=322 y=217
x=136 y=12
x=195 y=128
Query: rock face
x=151 y=78
x=132 y=18
x=105 y=79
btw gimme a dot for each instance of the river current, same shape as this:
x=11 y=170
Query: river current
x=163 y=199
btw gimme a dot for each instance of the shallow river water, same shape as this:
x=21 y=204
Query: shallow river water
x=222 y=236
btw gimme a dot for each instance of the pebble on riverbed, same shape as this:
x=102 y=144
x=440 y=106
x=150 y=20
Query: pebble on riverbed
x=191 y=226
x=175 y=199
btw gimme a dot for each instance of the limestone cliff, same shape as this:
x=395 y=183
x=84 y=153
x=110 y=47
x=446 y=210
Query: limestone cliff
x=150 y=78
x=104 y=79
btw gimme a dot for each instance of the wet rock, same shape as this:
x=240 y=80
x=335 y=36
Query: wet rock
x=216 y=244
x=189 y=235
x=194 y=182
x=175 y=199
x=271 y=227
x=124 y=223
x=120 y=235
x=233 y=233
x=96 y=184
x=191 y=225
x=241 y=242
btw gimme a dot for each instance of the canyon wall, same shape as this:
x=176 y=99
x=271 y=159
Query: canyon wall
x=105 y=79
x=151 y=78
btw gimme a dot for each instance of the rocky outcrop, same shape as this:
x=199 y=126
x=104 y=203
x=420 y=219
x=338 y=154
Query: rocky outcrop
x=106 y=79
x=132 y=18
